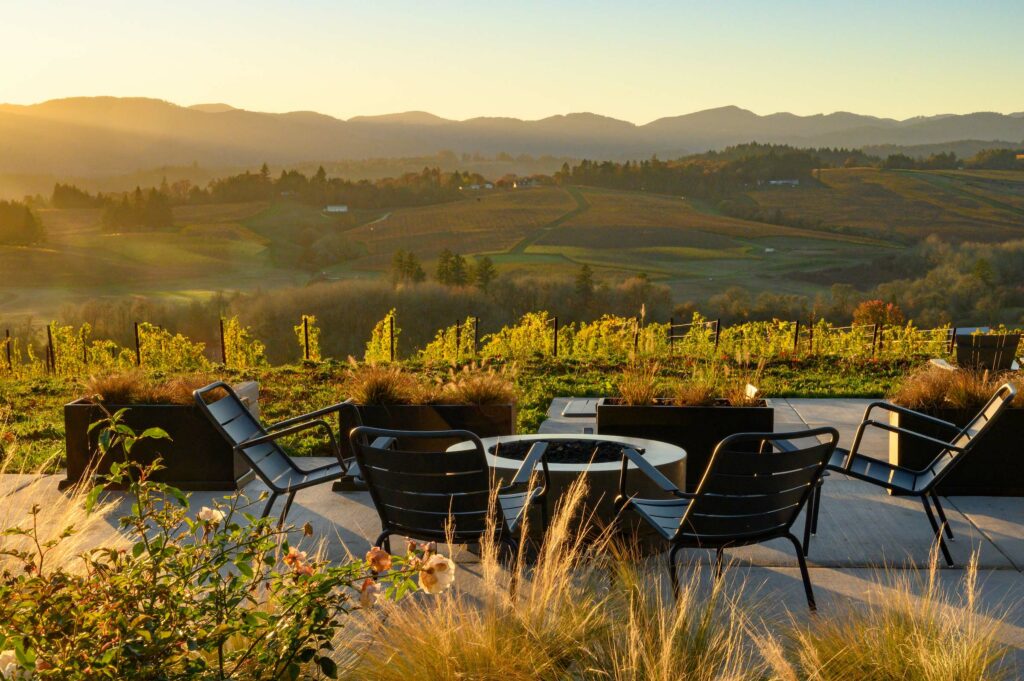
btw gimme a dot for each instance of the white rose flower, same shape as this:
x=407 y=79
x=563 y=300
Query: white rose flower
x=437 y=574
x=209 y=515
x=9 y=669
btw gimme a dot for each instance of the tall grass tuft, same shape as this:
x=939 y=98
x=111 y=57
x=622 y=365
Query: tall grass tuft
x=60 y=514
x=575 y=614
x=934 y=636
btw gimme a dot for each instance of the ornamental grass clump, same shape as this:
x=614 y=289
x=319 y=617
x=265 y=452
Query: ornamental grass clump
x=933 y=387
x=917 y=632
x=639 y=383
x=479 y=385
x=137 y=387
x=381 y=384
x=582 y=608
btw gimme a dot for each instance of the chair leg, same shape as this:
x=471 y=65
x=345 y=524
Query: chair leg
x=384 y=541
x=269 y=505
x=817 y=505
x=942 y=515
x=808 y=522
x=513 y=553
x=937 y=530
x=673 y=574
x=287 y=507
x=718 y=562
x=804 y=574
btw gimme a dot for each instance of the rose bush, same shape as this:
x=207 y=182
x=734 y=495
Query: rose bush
x=223 y=596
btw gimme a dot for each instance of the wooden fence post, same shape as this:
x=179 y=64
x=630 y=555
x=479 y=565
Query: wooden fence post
x=875 y=339
x=671 y=334
x=796 y=337
x=718 y=332
x=85 y=349
x=636 y=335
x=7 y=342
x=555 y=345
x=458 y=338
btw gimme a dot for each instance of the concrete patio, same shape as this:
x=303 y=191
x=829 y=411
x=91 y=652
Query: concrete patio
x=863 y=531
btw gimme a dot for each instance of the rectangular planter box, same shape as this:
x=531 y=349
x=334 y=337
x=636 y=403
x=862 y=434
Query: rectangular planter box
x=993 y=468
x=994 y=352
x=196 y=457
x=698 y=430
x=482 y=420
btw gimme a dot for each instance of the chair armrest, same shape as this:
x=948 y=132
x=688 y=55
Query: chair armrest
x=888 y=406
x=291 y=430
x=914 y=434
x=318 y=414
x=537 y=453
x=657 y=477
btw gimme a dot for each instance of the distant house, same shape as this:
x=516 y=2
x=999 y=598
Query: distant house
x=474 y=187
x=523 y=183
x=336 y=208
x=1020 y=157
x=784 y=183
x=488 y=185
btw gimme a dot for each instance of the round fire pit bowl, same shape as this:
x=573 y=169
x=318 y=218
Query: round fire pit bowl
x=599 y=457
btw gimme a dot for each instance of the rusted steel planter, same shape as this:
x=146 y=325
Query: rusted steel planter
x=698 y=430
x=196 y=457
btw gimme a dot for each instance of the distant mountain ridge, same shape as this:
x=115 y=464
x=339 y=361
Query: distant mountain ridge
x=103 y=135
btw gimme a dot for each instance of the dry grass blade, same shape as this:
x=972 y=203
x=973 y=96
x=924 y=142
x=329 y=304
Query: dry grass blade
x=477 y=385
x=382 y=384
x=136 y=387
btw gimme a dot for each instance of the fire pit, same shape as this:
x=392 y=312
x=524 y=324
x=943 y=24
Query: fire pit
x=599 y=457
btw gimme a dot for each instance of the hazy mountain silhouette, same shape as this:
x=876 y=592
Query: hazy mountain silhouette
x=102 y=135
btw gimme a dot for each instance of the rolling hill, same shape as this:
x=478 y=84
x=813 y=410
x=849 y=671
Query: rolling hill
x=91 y=136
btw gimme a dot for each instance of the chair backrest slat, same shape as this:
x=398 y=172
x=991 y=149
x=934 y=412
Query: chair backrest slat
x=237 y=424
x=747 y=496
x=421 y=492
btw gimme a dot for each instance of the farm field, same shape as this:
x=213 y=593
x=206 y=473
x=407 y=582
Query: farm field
x=540 y=231
x=957 y=205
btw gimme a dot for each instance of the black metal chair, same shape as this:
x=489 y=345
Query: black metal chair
x=919 y=483
x=437 y=496
x=257 y=443
x=753 y=490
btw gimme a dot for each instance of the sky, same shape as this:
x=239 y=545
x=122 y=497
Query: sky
x=523 y=59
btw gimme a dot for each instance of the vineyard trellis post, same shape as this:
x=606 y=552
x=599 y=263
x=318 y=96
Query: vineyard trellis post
x=458 y=338
x=7 y=344
x=796 y=337
x=85 y=349
x=671 y=334
x=554 y=349
x=952 y=340
x=476 y=335
x=810 y=338
x=876 y=339
x=305 y=337
x=391 y=336
x=138 y=346
x=718 y=332
x=51 y=355
x=223 y=344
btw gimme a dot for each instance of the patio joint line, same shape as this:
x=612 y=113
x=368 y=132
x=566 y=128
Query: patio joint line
x=983 y=533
